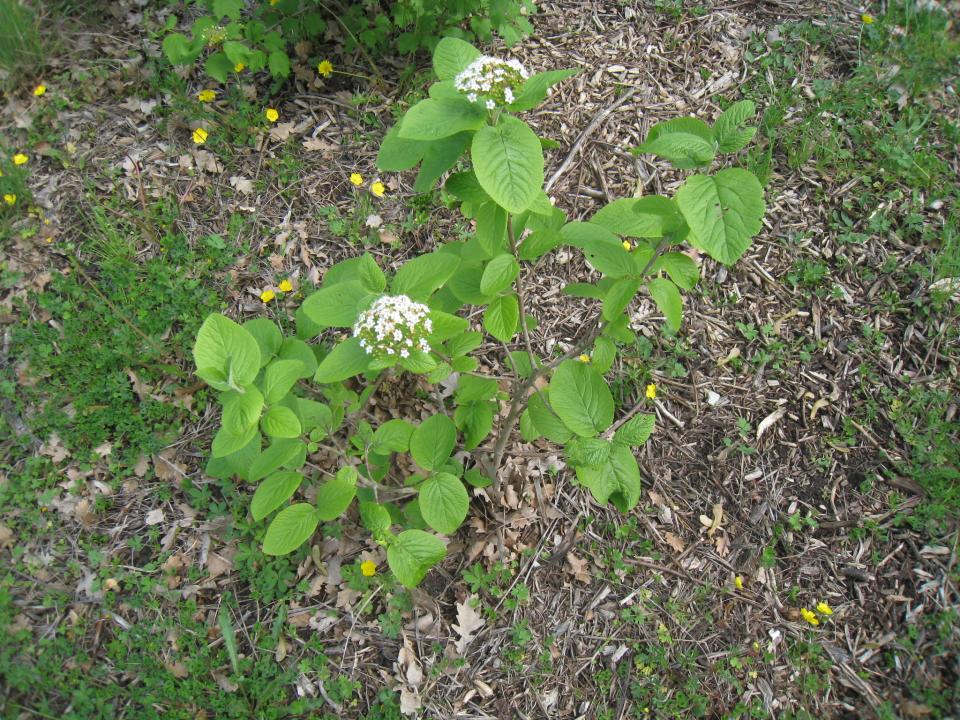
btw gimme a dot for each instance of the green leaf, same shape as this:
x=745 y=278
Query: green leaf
x=279 y=64
x=432 y=119
x=445 y=326
x=440 y=156
x=392 y=436
x=546 y=421
x=465 y=284
x=241 y=461
x=521 y=363
x=685 y=142
x=241 y=411
x=471 y=388
x=338 y=305
x=492 y=228
x=294 y=349
x=274 y=492
x=652 y=216
x=226 y=443
x=279 y=378
x=730 y=137
x=421 y=276
x=466 y=187
x=464 y=364
x=397 y=153
x=681 y=268
x=283 y=452
x=225 y=346
x=723 y=211
x=218 y=66
x=636 y=430
x=617 y=480
x=236 y=52
x=314 y=415
x=499 y=274
x=588 y=452
x=603 y=355
x=344 y=361
x=476 y=479
x=508 y=162
x=228 y=8
x=618 y=296
x=419 y=362
x=281 y=422
x=539 y=243
x=581 y=398
x=376 y=519
x=602 y=248
x=534 y=90
x=667 y=298
x=268 y=337
x=502 y=317
x=370 y=275
x=178 y=49
x=335 y=496
x=475 y=421
x=412 y=553
x=290 y=529
x=462 y=344
x=433 y=441
x=444 y=502
x=451 y=56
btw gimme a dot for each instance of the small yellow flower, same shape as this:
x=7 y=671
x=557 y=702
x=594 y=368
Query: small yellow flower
x=368 y=568
x=824 y=608
x=867 y=19
x=39 y=90
x=200 y=136
x=20 y=159
x=738 y=581
x=651 y=391
x=267 y=295
x=378 y=189
x=274 y=2
x=272 y=114
x=325 y=68
x=285 y=286
x=584 y=358
x=207 y=95
x=239 y=68
x=810 y=616
x=627 y=246
x=9 y=198
x=356 y=179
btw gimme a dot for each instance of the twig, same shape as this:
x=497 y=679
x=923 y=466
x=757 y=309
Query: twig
x=578 y=143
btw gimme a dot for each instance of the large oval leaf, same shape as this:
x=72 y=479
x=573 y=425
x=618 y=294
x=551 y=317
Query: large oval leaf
x=499 y=274
x=344 y=361
x=502 y=317
x=412 y=553
x=433 y=441
x=225 y=346
x=723 y=211
x=616 y=481
x=581 y=398
x=290 y=529
x=444 y=502
x=508 y=162
x=274 y=492
x=451 y=56
x=335 y=496
x=337 y=305
x=433 y=119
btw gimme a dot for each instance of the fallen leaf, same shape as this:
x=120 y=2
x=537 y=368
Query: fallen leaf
x=410 y=702
x=769 y=421
x=154 y=517
x=177 y=669
x=714 y=524
x=281 y=131
x=6 y=536
x=468 y=622
x=241 y=184
x=674 y=541
x=579 y=567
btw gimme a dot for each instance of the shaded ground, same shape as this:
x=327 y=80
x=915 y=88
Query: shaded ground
x=807 y=408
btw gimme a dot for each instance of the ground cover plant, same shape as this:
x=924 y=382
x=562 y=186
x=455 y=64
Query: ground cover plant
x=229 y=489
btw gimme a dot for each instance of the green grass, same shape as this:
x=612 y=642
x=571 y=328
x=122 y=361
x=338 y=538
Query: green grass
x=21 y=49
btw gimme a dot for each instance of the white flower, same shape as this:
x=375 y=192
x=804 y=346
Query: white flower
x=392 y=325
x=491 y=81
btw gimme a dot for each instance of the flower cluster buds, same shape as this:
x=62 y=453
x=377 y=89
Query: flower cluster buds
x=393 y=327
x=214 y=35
x=490 y=81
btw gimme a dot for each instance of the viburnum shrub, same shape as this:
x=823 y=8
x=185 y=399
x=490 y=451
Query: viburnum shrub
x=414 y=322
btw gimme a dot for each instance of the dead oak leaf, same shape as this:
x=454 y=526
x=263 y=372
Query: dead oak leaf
x=469 y=621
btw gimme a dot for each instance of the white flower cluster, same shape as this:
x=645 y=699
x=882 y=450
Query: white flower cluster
x=491 y=81
x=394 y=326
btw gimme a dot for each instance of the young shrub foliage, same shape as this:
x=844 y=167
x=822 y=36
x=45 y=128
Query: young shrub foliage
x=410 y=322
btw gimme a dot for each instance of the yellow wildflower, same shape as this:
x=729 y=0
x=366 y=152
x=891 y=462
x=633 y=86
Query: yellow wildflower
x=325 y=68
x=824 y=608
x=368 y=568
x=20 y=159
x=267 y=295
x=207 y=95
x=738 y=581
x=378 y=189
x=39 y=90
x=285 y=286
x=9 y=198
x=627 y=246
x=584 y=358
x=356 y=179
x=272 y=114
x=239 y=67
x=200 y=136
x=651 y=391
x=274 y=2
x=867 y=19
x=810 y=616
